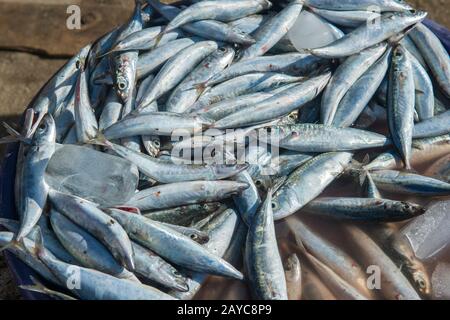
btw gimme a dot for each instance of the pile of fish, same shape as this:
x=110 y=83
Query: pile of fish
x=110 y=210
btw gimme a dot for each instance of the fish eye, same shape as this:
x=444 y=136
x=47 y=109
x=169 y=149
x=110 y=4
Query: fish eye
x=258 y=182
x=176 y=273
x=193 y=236
x=274 y=205
x=122 y=85
x=78 y=64
x=412 y=11
x=42 y=126
x=223 y=49
x=156 y=143
x=421 y=283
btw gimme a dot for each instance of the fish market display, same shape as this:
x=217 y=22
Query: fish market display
x=241 y=149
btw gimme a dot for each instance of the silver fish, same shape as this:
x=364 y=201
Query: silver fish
x=262 y=258
x=52 y=243
x=423 y=151
x=320 y=138
x=273 y=30
x=198 y=236
x=401 y=100
x=347 y=18
x=366 y=36
x=359 y=94
x=207 y=29
x=225 y=233
x=125 y=63
x=176 y=69
x=221 y=10
x=384 y=5
x=156 y=123
x=183 y=193
x=150 y=61
x=85 y=121
x=88 y=216
x=25 y=252
x=424 y=95
x=185 y=95
x=241 y=85
x=409 y=183
x=152 y=267
x=185 y=215
x=33 y=188
x=291 y=63
x=434 y=54
x=86 y=249
x=307 y=182
x=278 y=105
x=93 y=282
x=433 y=127
x=173 y=246
x=364 y=209
x=145 y=39
x=345 y=77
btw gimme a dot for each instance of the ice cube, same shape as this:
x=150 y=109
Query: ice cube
x=311 y=31
x=429 y=234
x=100 y=177
x=440 y=281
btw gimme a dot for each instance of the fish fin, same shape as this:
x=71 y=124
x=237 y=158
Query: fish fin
x=40 y=288
x=106 y=53
x=363 y=176
x=14 y=134
x=100 y=140
x=417 y=145
x=366 y=160
x=159 y=37
x=9 y=139
x=39 y=248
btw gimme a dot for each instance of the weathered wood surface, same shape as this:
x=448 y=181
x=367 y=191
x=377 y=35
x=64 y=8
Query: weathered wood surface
x=41 y=25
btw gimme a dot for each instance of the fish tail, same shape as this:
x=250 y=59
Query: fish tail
x=12 y=244
x=115 y=49
x=14 y=135
x=40 y=288
x=200 y=87
x=100 y=140
x=39 y=249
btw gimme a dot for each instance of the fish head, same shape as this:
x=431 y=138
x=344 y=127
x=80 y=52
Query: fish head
x=122 y=87
x=239 y=36
x=411 y=16
x=45 y=131
x=226 y=52
x=422 y=281
x=412 y=209
x=283 y=201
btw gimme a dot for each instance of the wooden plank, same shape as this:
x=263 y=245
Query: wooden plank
x=41 y=25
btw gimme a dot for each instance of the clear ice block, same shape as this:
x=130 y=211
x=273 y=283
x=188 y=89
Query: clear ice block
x=440 y=281
x=430 y=233
x=100 y=177
x=310 y=31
